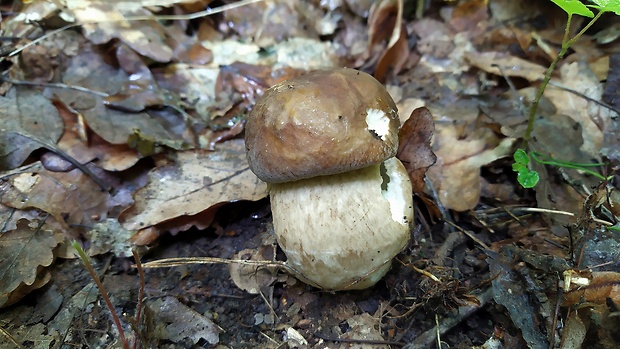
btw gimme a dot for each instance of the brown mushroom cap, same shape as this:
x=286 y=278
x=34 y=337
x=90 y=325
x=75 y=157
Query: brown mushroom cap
x=321 y=123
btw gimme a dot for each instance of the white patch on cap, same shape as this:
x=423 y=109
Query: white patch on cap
x=378 y=123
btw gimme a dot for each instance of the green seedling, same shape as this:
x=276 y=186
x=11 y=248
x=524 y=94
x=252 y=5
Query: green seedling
x=572 y=8
x=527 y=178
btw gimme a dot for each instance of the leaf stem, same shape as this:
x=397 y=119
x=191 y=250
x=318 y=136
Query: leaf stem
x=136 y=256
x=566 y=44
x=551 y=161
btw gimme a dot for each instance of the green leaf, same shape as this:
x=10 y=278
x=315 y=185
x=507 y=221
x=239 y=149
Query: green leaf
x=607 y=6
x=575 y=7
x=528 y=179
x=519 y=167
x=521 y=157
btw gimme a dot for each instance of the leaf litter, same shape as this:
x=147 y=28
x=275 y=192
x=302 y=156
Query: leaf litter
x=122 y=126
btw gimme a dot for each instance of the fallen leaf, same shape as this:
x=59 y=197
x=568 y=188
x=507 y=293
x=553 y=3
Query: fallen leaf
x=24 y=251
x=90 y=70
x=363 y=327
x=268 y=22
x=385 y=22
x=109 y=236
x=103 y=21
x=110 y=157
x=252 y=278
x=196 y=181
x=599 y=287
x=414 y=149
x=469 y=15
x=500 y=63
x=510 y=291
x=177 y=322
x=456 y=174
x=70 y=197
x=591 y=116
x=25 y=112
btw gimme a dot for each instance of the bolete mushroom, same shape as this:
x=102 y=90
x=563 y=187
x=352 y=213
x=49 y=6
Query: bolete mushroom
x=341 y=202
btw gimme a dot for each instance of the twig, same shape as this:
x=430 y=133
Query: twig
x=470 y=235
x=11 y=338
x=544 y=210
x=437 y=331
x=54 y=85
x=175 y=262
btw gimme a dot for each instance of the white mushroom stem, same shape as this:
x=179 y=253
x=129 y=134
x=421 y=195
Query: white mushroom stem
x=342 y=231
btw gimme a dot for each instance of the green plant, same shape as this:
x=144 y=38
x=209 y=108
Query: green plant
x=571 y=7
x=528 y=178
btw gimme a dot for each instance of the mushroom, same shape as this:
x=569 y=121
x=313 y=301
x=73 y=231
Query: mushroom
x=341 y=202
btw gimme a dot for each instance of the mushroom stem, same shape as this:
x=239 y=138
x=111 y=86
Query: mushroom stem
x=341 y=231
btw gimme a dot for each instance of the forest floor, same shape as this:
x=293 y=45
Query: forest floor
x=122 y=129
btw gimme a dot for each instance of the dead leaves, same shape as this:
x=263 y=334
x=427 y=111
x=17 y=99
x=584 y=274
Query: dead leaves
x=194 y=182
x=25 y=112
x=173 y=320
x=70 y=197
x=500 y=63
x=26 y=252
x=155 y=108
x=414 y=150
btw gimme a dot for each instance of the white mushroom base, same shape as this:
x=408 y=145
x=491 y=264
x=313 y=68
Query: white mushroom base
x=342 y=231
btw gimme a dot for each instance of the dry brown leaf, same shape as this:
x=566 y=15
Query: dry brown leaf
x=70 y=197
x=597 y=287
x=24 y=251
x=110 y=157
x=560 y=137
x=468 y=15
x=196 y=181
x=456 y=175
x=252 y=278
x=363 y=327
x=592 y=117
x=385 y=24
x=436 y=38
x=104 y=21
x=90 y=70
x=180 y=322
x=139 y=92
x=414 y=149
x=25 y=112
x=268 y=22
x=500 y=63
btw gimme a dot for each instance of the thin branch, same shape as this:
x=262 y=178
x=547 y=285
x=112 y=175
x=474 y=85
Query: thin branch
x=54 y=85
